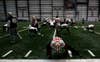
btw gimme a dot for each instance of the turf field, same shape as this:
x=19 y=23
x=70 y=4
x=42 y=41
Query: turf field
x=87 y=44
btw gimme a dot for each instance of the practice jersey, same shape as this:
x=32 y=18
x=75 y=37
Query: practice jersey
x=57 y=40
x=68 y=20
x=52 y=22
x=58 y=21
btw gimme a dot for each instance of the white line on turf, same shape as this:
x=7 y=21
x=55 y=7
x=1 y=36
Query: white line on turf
x=19 y=36
x=70 y=53
x=54 y=33
x=7 y=53
x=97 y=33
x=91 y=53
x=19 y=32
x=22 y=30
x=28 y=53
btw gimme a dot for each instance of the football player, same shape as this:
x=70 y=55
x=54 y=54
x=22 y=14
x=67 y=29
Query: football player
x=57 y=43
x=90 y=27
x=51 y=23
x=65 y=25
x=34 y=26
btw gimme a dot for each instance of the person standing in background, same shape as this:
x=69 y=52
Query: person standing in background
x=83 y=21
x=12 y=27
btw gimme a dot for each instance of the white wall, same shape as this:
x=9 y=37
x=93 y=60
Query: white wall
x=46 y=8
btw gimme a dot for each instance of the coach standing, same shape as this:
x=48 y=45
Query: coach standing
x=12 y=27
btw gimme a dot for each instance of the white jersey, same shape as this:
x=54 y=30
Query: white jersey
x=68 y=19
x=32 y=28
x=91 y=26
x=57 y=40
x=51 y=22
x=64 y=25
x=6 y=25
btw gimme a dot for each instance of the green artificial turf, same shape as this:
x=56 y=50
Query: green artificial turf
x=79 y=39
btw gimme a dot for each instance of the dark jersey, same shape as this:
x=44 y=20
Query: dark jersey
x=12 y=24
x=34 y=23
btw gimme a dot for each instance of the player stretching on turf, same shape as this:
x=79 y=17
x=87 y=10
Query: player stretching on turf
x=90 y=27
x=51 y=23
x=34 y=27
x=57 y=43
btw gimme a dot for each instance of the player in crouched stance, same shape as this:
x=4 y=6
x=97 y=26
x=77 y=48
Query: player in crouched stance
x=34 y=26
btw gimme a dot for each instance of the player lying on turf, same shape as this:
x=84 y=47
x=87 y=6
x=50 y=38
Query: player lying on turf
x=51 y=23
x=34 y=27
x=90 y=28
x=65 y=24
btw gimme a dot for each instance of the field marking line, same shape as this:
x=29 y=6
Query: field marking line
x=28 y=53
x=97 y=33
x=70 y=53
x=7 y=53
x=91 y=53
x=24 y=27
x=22 y=30
x=54 y=33
x=19 y=35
